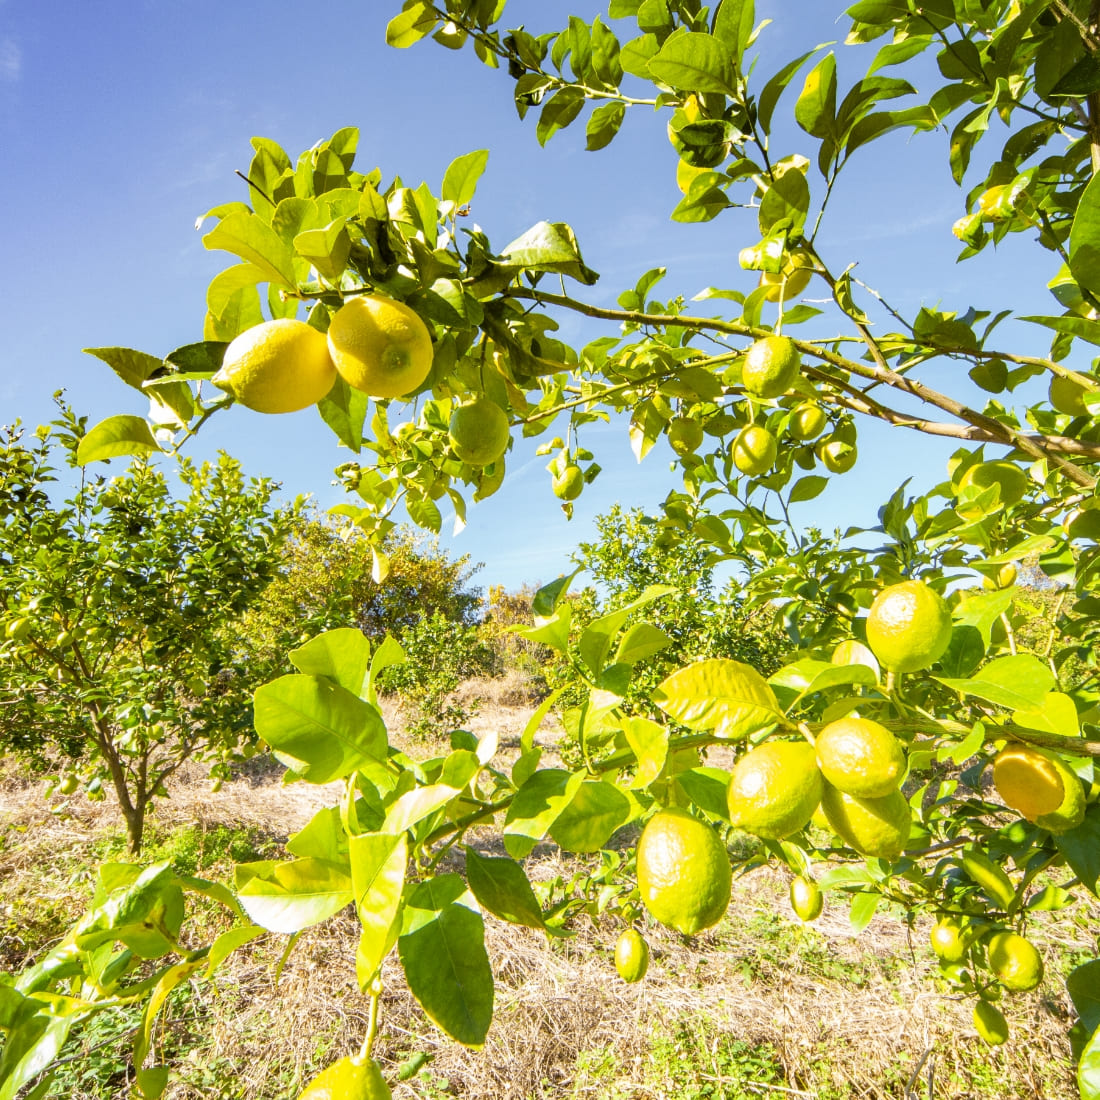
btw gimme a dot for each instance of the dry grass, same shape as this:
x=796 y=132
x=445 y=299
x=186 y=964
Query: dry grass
x=757 y=1007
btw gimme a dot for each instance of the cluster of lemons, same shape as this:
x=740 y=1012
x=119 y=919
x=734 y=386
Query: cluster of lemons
x=378 y=345
x=770 y=369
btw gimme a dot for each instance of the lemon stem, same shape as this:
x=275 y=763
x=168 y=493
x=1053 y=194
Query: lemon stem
x=372 y=1020
x=807 y=733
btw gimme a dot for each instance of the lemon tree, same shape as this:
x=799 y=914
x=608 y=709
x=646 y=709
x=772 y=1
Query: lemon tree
x=889 y=623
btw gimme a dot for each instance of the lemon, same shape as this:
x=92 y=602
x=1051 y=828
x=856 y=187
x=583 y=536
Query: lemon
x=806 y=899
x=683 y=871
x=569 y=483
x=837 y=455
x=771 y=366
x=775 y=789
x=1014 y=960
x=68 y=783
x=631 y=956
x=1007 y=476
x=860 y=757
x=684 y=435
x=909 y=626
x=1068 y=396
x=348 y=1079
x=990 y=1024
x=1005 y=578
x=872 y=826
x=753 y=450
x=788 y=283
x=950 y=938
x=1071 y=812
x=1028 y=781
x=380 y=346
x=479 y=431
x=807 y=421
x=277 y=367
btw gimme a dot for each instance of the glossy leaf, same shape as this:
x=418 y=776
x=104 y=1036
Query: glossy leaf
x=344 y=410
x=648 y=741
x=342 y=655
x=1081 y=847
x=694 y=62
x=115 y=437
x=252 y=239
x=815 y=110
x=728 y=697
x=733 y=25
x=501 y=886
x=603 y=125
x=1019 y=682
x=549 y=246
x=592 y=816
x=414 y=23
x=460 y=179
x=378 y=867
x=536 y=806
x=133 y=367
x=292 y=895
x=1084 y=238
x=317 y=728
x=442 y=948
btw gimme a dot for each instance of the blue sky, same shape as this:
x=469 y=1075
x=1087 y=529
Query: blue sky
x=120 y=123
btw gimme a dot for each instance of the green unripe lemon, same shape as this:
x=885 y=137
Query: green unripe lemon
x=18 y=629
x=1007 y=476
x=754 y=450
x=990 y=1024
x=806 y=899
x=683 y=871
x=860 y=757
x=838 y=456
x=872 y=826
x=1018 y=966
x=684 y=435
x=68 y=784
x=569 y=483
x=774 y=789
x=479 y=432
x=950 y=937
x=808 y=421
x=771 y=366
x=348 y=1079
x=1068 y=396
x=631 y=956
x=908 y=626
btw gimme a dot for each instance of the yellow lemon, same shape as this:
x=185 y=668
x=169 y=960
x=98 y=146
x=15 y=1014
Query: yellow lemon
x=683 y=871
x=788 y=283
x=1028 y=781
x=1018 y=966
x=837 y=455
x=860 y=757
x=1007 y=476
x=771 y=366
x=774 y=789
x=348 y=1079
x=631 y=956
x=277 y=367
x=950 y=938
x=872 y=826
x=380 y=346
x=909 y=626
x=684 y=435
x=479 y=431
x=753 y=450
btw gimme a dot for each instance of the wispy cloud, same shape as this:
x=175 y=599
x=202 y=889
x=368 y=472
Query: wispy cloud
x=11 y=61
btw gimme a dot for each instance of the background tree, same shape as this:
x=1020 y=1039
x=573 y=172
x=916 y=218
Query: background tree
x=119 y=608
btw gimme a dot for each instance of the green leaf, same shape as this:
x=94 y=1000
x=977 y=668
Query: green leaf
x=594 y=813
x=322 y=838
x=815 y=110
x=413 y=24
x=733 y=24
x=1019 y=682
x=648 y=741
x=140 y=907
x=203 y=358
x=863 y=909
x=708 y=788
x=318 y=729
x=1082 y=80
x=1081 y=847
x=769 y=97
x=415 y=805
x=501 y=886
x=549 y=246
x=536 y=807
x=1055 y=714
x=1083 y=986
x=1084 y=238
x=289 y=896
x=378 y=866
x=595 y=642
x=114 y=437
x=342 y=655
x=695 y=62
x=325 y=249
x=603 y=125
x=807 y=488
x=558 y=112
x=640 y=641
x=726 y=696
x=228 y=942
x=460 y=179
x=270 y=176
x=785 y=204
x=344 y=410
x=442 y=948
x=1088 y=1069
x=133 y=367
x=252 y=239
